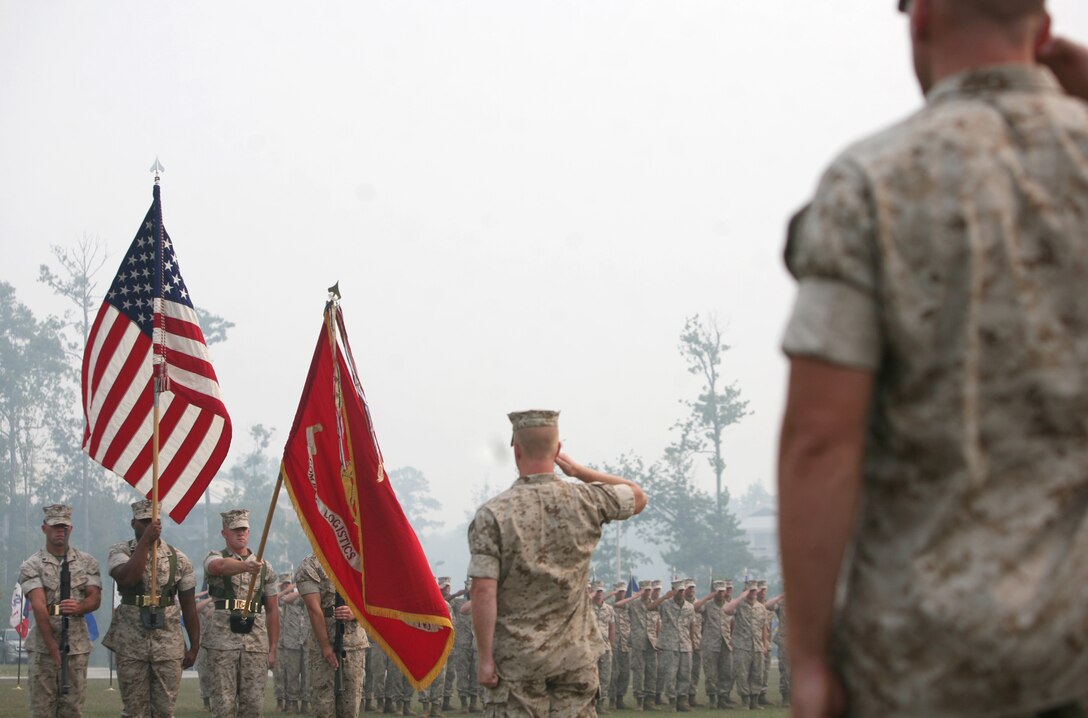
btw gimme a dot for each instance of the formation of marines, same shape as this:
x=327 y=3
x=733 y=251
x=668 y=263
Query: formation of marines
x=659 y=644
x=249 y=619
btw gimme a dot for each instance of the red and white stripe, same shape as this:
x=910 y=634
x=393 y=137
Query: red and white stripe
x=118 y=398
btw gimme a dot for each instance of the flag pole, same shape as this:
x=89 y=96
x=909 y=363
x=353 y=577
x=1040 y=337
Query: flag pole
x=264 y=539
x=158 y=365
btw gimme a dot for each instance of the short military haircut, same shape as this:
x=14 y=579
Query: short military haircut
x=1002 y=11
x=538 y=442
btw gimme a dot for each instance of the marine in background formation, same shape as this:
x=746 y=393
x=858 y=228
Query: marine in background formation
x=292 y=670
x=336 y=678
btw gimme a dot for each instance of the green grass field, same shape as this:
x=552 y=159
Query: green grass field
x=104 y=703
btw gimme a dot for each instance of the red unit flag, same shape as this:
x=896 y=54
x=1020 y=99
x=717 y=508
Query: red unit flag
x=147 y=322
x=335 y=474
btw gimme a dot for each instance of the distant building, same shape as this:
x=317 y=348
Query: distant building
x=761 y=529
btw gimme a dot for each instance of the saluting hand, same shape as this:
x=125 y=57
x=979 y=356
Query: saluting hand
x=569 y=466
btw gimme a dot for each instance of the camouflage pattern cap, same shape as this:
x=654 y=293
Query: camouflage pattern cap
x=534 y=417
x=718 y=586
x=619 y=585
x=728 y=583
x=643 y=585
x=751 y=585
x=761 y=584
x=235 y=519
x=445 y=581
x=598 y=586
x=657 y=584
x=56 y=514
x=679 y=584
x=689 y=583
x=141 y=510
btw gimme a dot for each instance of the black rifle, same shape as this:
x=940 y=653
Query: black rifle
x=65 y=593
x=338 y=646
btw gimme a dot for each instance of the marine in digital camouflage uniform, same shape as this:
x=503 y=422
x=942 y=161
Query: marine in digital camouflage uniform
x=39 y=578
x=291 y=662
x=653 y=628
x=150 y=660
x=239 y=662
x=715 y=645
x=432 y=696
x=462 y=665
x=778 y=606
x=940 y=334
x=643 y=650
x=205 y=609
x=675 y=644
x=530 y=549
x=325 y=620
x=696 y=638
x=768 y=616
x=621 y=650
x=749 y=628
x=606 y=622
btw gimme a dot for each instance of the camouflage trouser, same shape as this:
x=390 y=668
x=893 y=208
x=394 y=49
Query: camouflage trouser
x=748 y=671
x=43 y=676
x=149 y=689
x=203 y=673
x=718 y=669
x=783 y=669
x=397 y=687
x=675 y=674
x=238 y=682
x=621 y=674
x=325 y=702
x=766 y=674
x=293 y=674
x=696 y=664
x=644 y=671
x=376 y=666
x=604 y=672
x=433 y=694
x=571 y=695
x=462 y=667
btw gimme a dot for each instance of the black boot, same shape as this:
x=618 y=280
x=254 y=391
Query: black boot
x=388 y=708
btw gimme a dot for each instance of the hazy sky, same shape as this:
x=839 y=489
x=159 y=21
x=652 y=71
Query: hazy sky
x=522 y=201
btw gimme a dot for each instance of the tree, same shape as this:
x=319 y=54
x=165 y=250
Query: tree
x=694 y=536
x=756 y=497
x=215 y=327
x=76 y=282
x=718 y=405
x=35 y=393
x=614 y=557
x=414 y=494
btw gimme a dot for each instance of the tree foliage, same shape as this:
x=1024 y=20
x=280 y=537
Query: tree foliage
x=718 y=404
x=414 y=494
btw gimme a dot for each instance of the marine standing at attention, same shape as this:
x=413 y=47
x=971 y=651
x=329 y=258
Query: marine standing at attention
x=41 y=576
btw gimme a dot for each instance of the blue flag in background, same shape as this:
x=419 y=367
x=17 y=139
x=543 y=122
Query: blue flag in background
x=632 y=587
x=92 y=627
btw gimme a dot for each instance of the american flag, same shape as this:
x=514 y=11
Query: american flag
x=147 y=319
